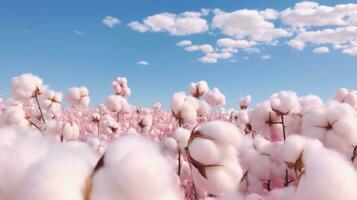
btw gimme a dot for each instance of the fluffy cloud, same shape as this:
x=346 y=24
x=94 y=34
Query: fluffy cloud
x=184 y=43
x=231 y=43
x=77 y=32
x=183 y=24
x=265 y=57
x=143 y=62
x=306 y=14
x=205 y=48
x=250 y=24
x=321 y=50
x=110 y=21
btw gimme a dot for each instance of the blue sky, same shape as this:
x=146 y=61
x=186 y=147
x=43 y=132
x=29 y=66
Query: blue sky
x=67 y=44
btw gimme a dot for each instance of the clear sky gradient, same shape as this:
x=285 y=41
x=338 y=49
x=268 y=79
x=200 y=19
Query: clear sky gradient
x=40 y=37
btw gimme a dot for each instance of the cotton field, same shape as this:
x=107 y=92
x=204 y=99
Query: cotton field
x=287 y=147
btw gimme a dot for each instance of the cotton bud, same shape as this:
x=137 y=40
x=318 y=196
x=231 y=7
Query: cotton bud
x=78 y=96
x=244 y=102
x=213 y=155
x=13 y=116
x=344 y=95
x=285 y=102
x=184 y=109
x=120 y=86
x=96 y=117
x=123 y=176
x=215 y=97
x=26 y=86
x=108 y=125
x=70 y=131
x=198 y=89
x=51 y=102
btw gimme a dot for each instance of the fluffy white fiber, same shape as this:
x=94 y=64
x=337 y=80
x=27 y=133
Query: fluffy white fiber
x=135 y=169
x=198 y=89
x=24 y=86
x=78 y=96
x=214 y=97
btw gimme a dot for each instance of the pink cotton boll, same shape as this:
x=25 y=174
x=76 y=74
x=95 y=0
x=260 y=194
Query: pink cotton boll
x=109 y=125
x=253 y=196
x=169 y=146
x=24 y=86
x=293 y=148
x=314 y=123
x=344 y=95
x=285 y=102
x=188 y=114
x=58 y=176
x=205 y=151
x=324 y=170
x=214 y=97
x=13 y=116
x=135 y=169
x=335 y=111
x=347 y=129
x=341 y=94
x=182 y=136
x=193 y=101
x=245 y=101
x=198 y=89
x=222 y=132
x=309 y=102
x=204 y=109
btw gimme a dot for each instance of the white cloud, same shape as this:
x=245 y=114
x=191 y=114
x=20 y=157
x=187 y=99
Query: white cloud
x=137 y=26
x=306 y=14
x=111 y=21
x=207 y=59
x=183 y=24
x=240 y=44
x=265 y=57
x=184 y=43
x=143 y=62
x=352 y=51
x=77 y=32
x=297 y=44
x=205 y=48
x=321 y=50
x=248 y=24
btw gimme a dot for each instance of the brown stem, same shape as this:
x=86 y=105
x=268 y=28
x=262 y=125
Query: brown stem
x=286 y=183
x=38 y=128
x=118 y=115
x=179 y=163
x=354 y=154
x=39 y=107
x=283 y=124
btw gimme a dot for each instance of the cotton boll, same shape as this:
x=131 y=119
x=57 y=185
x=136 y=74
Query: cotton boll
x=19 y=149
x=198 y=89
x=51 y=102
x=314 y=123
x=215 y=97
x=344 y=95
x=176 y=102
x=145 y=123
x=120 y=86
x=205 y=151
x=254 y=196
x=134 y=168
x=114 y=103
x=324 y=170
x=188 y=114
x=78 y=96
x=244 y=102
x=169 y=146
x=221 y=132
x=293 y=148
x=193 y=101
x=108 y=125
x=61 y=176
x=204 y=109
x=309 y=102
x=182 y=136
x=285 y=102
x=70 y=131
x=24 y=87
x=13 y=116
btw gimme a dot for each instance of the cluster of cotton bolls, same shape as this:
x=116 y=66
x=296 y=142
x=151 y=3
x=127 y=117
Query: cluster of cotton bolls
x=284 y=148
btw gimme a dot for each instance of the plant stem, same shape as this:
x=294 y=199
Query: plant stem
x=283 y=124
x=39 y=107
x=179 y=163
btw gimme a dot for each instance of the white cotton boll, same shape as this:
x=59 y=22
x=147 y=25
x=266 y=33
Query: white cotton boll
x=24 y=86
x=193 y=101
x=244 y=101
x=214 y=97
x=78 y=96
x=176 y=101
x=115 y=102
x=70 y=131
x=61 y=176
x=344 y=95
x=188 y=114
x=314 y=122
x=169 y=145
x=204 y=109
x=205 y=151
x=182 y=136
x=109 y=125
x=120 y=87
x=19 y=149
x=285 y=102
x=293 y=148
x=135 y=168
x=325 y=170
x=13 y=116
x=51 y=102
x=222 y=132
x=335 y=112
x=145 y=122
x=198 y=89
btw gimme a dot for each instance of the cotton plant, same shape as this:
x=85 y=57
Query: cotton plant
x=184 y=109
x=63 y=130
x=244 y=102
x=51 y=103
x=344 y=95
x=120 y=87
x=198 y=89
x=214 y=97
